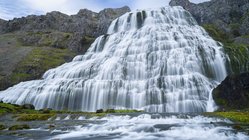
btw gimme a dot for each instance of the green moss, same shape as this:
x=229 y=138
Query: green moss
x=19 y=127
x=34 y=117
x=38 y=61
x=9 y=108
x=217 y=34
x=242 y=117
x=245 y=36
x=126 y=111
x=22 y=114
x=238 y=53
x=2 y=127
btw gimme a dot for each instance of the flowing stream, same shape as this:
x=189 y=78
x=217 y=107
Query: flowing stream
x=157 y=60
x=135 y=126
x=155 y=127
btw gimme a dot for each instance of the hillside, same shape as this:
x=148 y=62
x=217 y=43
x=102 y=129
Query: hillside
x=31 y=45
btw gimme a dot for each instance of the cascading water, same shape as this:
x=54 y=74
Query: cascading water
x=158 y=60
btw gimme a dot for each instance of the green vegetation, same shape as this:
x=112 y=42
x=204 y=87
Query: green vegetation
x=121 y=111
x=9 y=108
x=19 y=127
x=238 y=53
x=23 y=114
x=48 y=39
x=241 y=117
x=38 y=61
x=35 y=53
x=34 y=117
x=2 y=127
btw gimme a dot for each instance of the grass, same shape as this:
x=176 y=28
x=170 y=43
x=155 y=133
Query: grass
x=34 y=117
x=9 y=108
x=38 y=61
x=241 y=117
x=22 y=114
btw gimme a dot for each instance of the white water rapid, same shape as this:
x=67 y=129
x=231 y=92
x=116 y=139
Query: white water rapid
x=158 y=60
x=154 y=127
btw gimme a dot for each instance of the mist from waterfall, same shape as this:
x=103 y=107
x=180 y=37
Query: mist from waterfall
x=157 y=60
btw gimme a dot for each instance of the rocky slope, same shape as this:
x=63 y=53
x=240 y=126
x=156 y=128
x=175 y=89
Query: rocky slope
x=226 y=21
x=232 y=16
x=233 y=92
x=31 y=45
x=84 y=23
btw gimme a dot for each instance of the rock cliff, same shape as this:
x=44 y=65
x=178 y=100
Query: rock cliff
x=232 y=16
x=233 y=92
x=31 y=45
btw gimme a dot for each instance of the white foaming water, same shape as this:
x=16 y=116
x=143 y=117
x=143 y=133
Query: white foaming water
x=158 y=60
x=146 y=126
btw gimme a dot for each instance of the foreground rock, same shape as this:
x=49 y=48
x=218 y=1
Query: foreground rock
x=233 y=92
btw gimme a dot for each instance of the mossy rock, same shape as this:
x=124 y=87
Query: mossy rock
x=14 y=109
x=233 y=92
x=240 y=117
x=34 y=117
x=2 y=127
x=19 y=127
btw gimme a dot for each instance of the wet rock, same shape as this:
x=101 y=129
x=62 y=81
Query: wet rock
x=28 y=106
x=233 y=92
x=19 y=127
x=2 y=127
x=46 y=110
x=100 y=111
x=50 y=126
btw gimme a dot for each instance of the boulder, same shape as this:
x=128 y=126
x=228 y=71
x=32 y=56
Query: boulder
x=233 y=92
x=28 y=106
x=100 y=111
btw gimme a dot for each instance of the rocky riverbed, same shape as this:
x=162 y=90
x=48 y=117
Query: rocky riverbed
x=23 y=122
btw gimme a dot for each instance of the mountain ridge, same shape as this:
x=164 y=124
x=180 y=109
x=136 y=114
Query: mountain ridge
x=31 y=45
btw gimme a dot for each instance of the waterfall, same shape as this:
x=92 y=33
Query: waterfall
x=157 y=60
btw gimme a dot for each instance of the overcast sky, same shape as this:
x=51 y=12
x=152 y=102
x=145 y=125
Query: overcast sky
x=18 y=8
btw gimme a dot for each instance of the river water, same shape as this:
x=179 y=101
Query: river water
x=138 y=126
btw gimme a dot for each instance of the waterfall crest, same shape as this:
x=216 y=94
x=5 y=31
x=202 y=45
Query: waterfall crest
x=158 y=60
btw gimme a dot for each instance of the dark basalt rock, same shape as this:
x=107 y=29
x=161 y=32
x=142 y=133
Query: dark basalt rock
x=100 y=111
x=233 y=92
x=46 y=110
x=28 y=106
